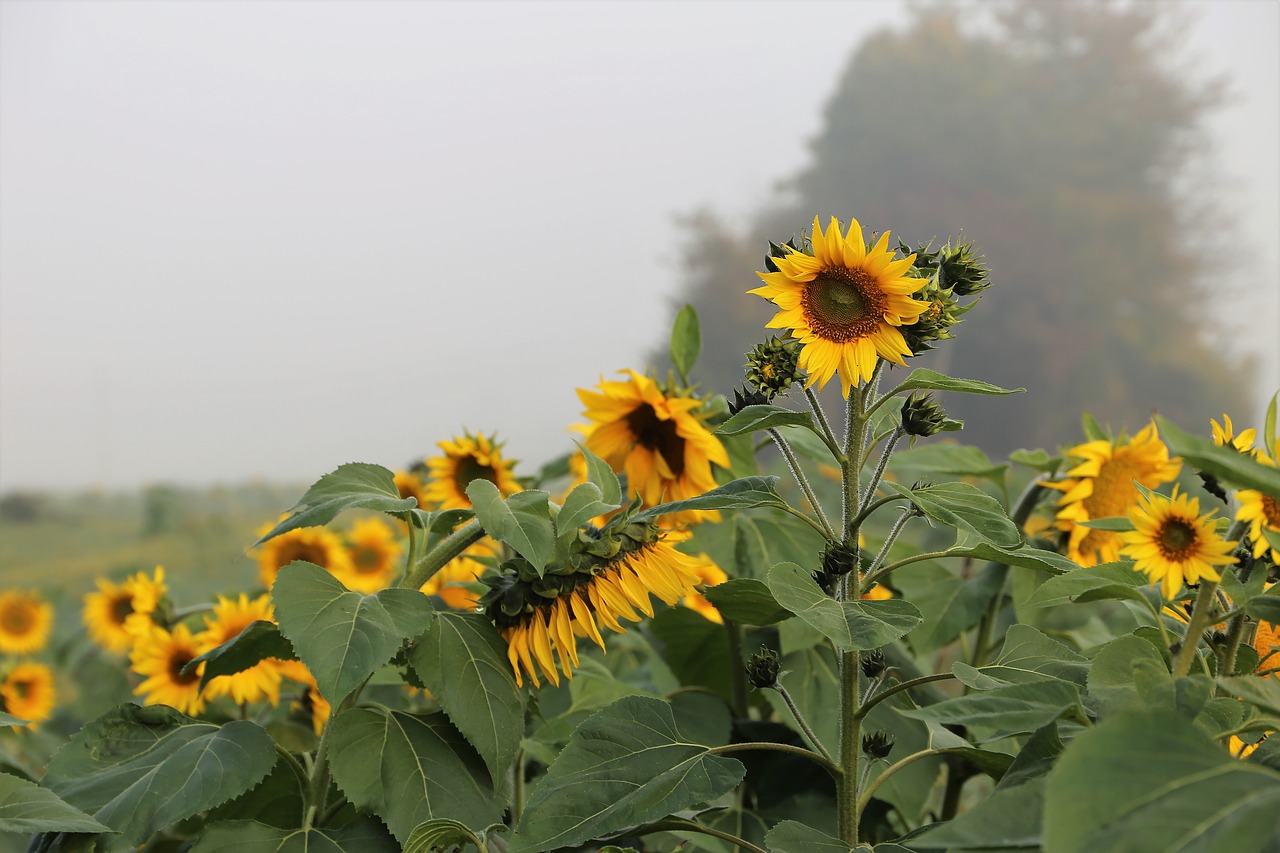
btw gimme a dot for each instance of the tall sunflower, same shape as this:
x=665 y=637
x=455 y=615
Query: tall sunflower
x=1172 y=543
x=230 y=617
x=845 y=303
x=1101 y=485
x=27 y=692
x=609 y=579
x=312 y=544
x=116 y=613
x=657 y=439
x=467 y=457
x=161 y=655
x=450 y=582
x=372 y=549
x=25 y=620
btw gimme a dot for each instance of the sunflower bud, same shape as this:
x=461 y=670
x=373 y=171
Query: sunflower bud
x=773 y=366
x=763 y=668
x=743 y=397
x=922 y=416
x=962 y=270
x=951 y=272
x=873 y=663
x=877 y=745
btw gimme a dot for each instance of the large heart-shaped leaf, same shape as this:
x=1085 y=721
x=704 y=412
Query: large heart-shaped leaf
x=625 y=766
x=522 y=520
x=356 y=485
x=26 y=807
x=139 y=769
x=1004 y=711
x=965 y=508
x=851 y=625
x=342 y=636
x=247 y=836
x=743 y=493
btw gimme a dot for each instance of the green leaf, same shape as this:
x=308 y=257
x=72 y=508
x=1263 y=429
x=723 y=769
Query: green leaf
x=1029 y=655
x=696 y=649
x=1156 y=780
x=949 y=604
x=1007 y=819
x=946 y=460
x=436 y=772
x=259 y=641
x=1067 y=587
x=522 y=521
x=747 y=601
x=139 y=769
x=851 y=625
x=1037 y=460
x=686 y=340
x=743 y=493
x=344 y=637
x=1036 y=758
x=1262 y=692
x=356 y=485
x=26 y=807
x=1117 y=524
x=441 y=834
x=247 y=836
x=788 y=836
x=1265 y=607
x=599 y=473
x=1025 y=557
x=1091 y=428
x=753 y=418
x=808 y=444
x=1225 y=463
x=1004 y=711
x=584 y=503
x=1112 y=677
x=463 y=661
x=11 y=720
x=761 y=540
x=922 y=379
x=625 y=766
x=965 y=507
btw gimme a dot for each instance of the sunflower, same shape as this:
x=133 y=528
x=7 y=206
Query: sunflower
x=711 y=575
x=1101 y=485
x=450 y=582
x=610 y=579
x=27 y=692
x=310 y=702
x=230 y=617
x=116 y=613
x=466 y=458
x=1240 y=749
x=409 y=485
x=1262 y=513
x=372 y=551
x=312 y=544
x=1171 y=542
x=844 y=303
x=655 y=438
x=1266 y=642
x=160 y=655
x=25 y=620
x=1224 y=436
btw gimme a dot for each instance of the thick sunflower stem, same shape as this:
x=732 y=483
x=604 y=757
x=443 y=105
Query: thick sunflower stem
x=1195 y=628
x=438 y=557
x=797 y=472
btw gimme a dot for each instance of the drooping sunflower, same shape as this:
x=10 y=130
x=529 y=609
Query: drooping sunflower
x=25 y=620
x=655 y=438
x=468 y=457
x=711 y=575
x=450 y=583
x=116 y=613
x=845 y=303
x=609 y=578
x=160 y=656
x=1172 y=543
x=313 y=544
x=230 y=617
x=372 y=549
x=27 y=692
x=1101 y=486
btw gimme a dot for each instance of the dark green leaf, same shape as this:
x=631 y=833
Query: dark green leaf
x=1036 y=758
x=1067 y=587
x=852 y=625
x=1225 y=463
x=949 y=604
x=922 y=379
x=686 y=340
x=747 y=601
x=1010 y=818
x=1004 y=711
x=436 y=772
x=1266 y=607
x=762 y=540
x=1112 y=676
x=696 y=649
x=625 y=766
x=247 y=836
x=1025 y=557
x=441 y=834
x=259 y=641
x=965 y=507
x=599 y=473
x=792 y=837
x=26 y=807
x=522 y=521
x=344 y=637
x=356 y=485
x=1261 y=692
x=932 y=461
x=1028 y=656
x=753 y=418
x=744 y=493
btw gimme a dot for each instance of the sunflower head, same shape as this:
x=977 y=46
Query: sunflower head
x=1225 y=436
x=160 y=656
x=409 y=485
x=27 y=692
x=117 y=613
x=844 y=302
x=463 y=459
x=230 y=618
x=25 y=621
x=372 y=552
x=1260 y=511
x=1172 y=543
x=313 y=544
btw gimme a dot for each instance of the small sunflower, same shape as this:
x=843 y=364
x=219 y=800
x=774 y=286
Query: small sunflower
x=25 y=620
x=312 y=544
x=372 y=549
x=450 y=583
x=845 y=303
x=160 y=656
x=657 y=439
x=711 y=575
x=27 y=692
x=1262 y=513
x=1101 y=485
x=1171 y=542
x=1240 y=749
x=230 y=617
x=410 y=486
x=117 y=613
x=466 y=458
x=1224 y=436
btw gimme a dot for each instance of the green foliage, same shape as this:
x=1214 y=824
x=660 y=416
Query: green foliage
x=252 y=837
x=522 y=521
x=686 y=341
x=850 y=625
x=789 y=836
x=758 y=417
x=747 y=601
x=964 y=507
x=257 y=642
x=744 y=493
x=356 y=485
x=26 y=807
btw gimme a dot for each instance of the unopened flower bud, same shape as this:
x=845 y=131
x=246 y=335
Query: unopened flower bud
x=774 y=366
x=877 y=745
x=873 y=663
x=742 y=397
x=962 y=269
x=922 y=416
x=763 y=668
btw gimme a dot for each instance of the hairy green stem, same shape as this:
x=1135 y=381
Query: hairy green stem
x=820 y=415
x=803 y=723
x=899 y=687
x=875 y=505
x=438 y=557
x=870 y=492
x=682 y=825
x=893 y=535
x=875 y=577
x=892 y=769
x=1195 y=628
x=798 y=473
x=770 y=746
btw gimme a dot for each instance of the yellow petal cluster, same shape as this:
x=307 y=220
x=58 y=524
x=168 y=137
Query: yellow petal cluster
x=466 y=458
x=27 y=692
x=25 y=621
x=117 y=613
x=1172 y=543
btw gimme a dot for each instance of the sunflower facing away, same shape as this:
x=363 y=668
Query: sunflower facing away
x=160 y=656
x=312 y=544
x=1172 y=543
x=27 y=692
x=656 y=439
x=466 y=458
x=230 y=617
x=1101 y=486
x=844 y=303
x=25 y=619
x=116 y=613
x=372 y=549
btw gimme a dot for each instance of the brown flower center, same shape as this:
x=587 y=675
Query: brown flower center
x=367 y=560
x=121 y=607
x=657 y=435
x=843 y=305
x=469 y=469
x=17 y=618
x=1113 y=488
x=1177 y=540
x=1271 y=511
x=179 y=658
x=311 y=553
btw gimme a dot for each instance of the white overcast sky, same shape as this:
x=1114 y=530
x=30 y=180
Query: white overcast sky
x=256 y=239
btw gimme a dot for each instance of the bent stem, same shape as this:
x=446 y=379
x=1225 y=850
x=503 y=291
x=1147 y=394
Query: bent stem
x=438 y=557
x=803 y=723
x=894 y=768
x=675 y=824
x=816 y=758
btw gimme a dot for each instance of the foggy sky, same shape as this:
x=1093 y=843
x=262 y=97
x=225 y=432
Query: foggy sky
x=262 y=239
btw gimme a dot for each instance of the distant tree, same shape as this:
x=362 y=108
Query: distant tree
x=1060 y=136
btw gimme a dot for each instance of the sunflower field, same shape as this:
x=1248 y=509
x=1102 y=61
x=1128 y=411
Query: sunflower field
x=717 y=623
